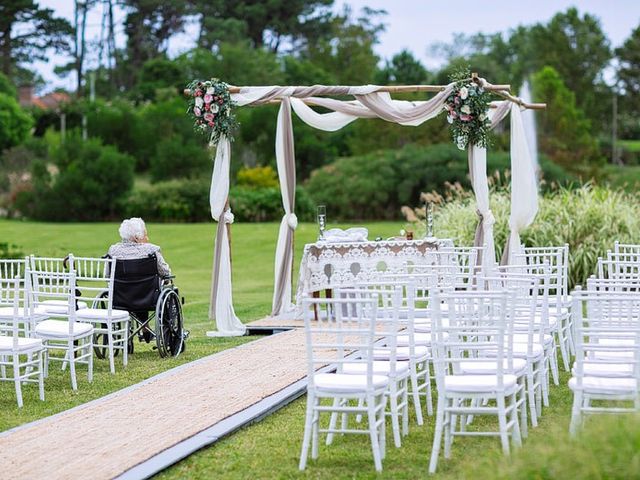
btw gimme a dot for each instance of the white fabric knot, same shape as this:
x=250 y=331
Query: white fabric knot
x=292 y=220
x=228 y=217
x=488 y=219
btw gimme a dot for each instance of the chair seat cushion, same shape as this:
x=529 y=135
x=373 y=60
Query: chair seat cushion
x=101 y=314
x=605 y=385
x=402 y=353
x=423 y=339
x=520 y=350
x=380 y=367
x=524 y=338
x=489 y=367
x=24 y=344
x=478 y=383
x=611 y=370
x=60 y=307
x=60 y=329
x=7 y=313
x=339 y=382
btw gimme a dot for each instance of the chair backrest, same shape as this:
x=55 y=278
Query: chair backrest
x=49 y=264
x=13 y=300
x=626 y=248
x=340 y=331
x=615 y=268
x=455 y=266
x=136 y=284
x=476 y=325
x=53 y=286
x=12 y=268
x=607 y=326
x=94 y=280
x=595 y=284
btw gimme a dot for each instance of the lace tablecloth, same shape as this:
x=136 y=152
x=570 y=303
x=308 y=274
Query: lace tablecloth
x=330 y=265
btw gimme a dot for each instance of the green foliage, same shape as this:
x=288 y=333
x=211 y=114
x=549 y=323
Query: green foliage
x=10 y=250
x=265 y=204
x=156 y=75
x=177 y=157
x=87 y=181
x=173 y=201
x=403 y=69
x=629 y=82
x=590 y=219
x=258 y=177
x=377 y=184
x=7 y=87
x=564 y=131
x=15 y=123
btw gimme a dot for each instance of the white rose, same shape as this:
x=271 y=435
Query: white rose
x=214 y=108
x=464 y=93
x=466 y=109
x=449 y=119
x=199 y=102
x=210 y=90
x=482 y=117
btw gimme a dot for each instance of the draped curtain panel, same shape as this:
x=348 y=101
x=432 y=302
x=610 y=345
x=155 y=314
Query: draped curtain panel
x=368 y=103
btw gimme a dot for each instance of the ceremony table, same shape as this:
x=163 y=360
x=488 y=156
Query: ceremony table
x=328 y=265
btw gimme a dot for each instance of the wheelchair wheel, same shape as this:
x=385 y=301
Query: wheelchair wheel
x=169 y=335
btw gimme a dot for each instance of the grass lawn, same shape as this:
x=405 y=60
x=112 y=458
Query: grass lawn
x=188 y=249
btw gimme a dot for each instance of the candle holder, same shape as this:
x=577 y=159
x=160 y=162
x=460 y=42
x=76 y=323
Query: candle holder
x=322 y=221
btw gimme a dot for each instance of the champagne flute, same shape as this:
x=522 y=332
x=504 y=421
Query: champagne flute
x=322 y=221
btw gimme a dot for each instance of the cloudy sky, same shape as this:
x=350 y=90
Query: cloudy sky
x=416 y=24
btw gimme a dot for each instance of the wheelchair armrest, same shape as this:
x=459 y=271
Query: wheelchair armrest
x=168 y=277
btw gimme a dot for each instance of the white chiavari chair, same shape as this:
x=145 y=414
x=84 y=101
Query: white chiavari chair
x=477 y=322
x=19 y=354
x=341 y=331
x=607 y=366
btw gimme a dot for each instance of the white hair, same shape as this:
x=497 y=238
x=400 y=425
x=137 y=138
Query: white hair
x=132 y=229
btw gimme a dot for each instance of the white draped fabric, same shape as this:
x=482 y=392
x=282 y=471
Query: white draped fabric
x=368 y=103
x=524 y=188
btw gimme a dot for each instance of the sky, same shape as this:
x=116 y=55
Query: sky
x=410 y=24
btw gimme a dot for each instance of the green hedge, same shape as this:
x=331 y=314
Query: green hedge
x=376 y=185
x=188 y=201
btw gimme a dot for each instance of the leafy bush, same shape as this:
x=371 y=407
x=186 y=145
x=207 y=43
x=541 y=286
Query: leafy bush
x=178 y=157
x=188 y=201
x=87 y=181
x=15 y=123
x=376 y=185
x=173 y=201
x=258 y=177
x=9 y=250
x=590 y=219
x=265 y=204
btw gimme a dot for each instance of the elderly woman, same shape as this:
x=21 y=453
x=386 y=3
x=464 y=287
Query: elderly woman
x=135 y=244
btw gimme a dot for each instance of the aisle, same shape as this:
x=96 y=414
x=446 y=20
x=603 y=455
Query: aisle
x=106 y=437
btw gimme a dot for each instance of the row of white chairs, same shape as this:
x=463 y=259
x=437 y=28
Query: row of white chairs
x=474 y=331
x=52 y=305
x=606 y=318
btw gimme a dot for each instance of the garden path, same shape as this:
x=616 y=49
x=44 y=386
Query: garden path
x=107 y=437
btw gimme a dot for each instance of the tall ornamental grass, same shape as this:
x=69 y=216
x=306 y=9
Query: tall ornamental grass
x=590 y=219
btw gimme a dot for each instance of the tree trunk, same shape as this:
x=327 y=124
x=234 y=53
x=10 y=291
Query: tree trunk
x=6 y=51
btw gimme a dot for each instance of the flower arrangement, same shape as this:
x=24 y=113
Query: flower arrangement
x=210 y=107
x=467 y=108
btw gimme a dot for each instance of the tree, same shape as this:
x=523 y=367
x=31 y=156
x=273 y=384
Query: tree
x=266 y=24
x=148 y=26
x=403 y=68
x=15 y=123
x=629 y=81
x=563 y=128
x=27 y=32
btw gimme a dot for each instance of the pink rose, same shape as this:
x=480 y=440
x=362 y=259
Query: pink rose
x=208 y=117
x=207 y=107
x=197 y=111
x=457 y=100
x=208 y=98
x=454 y=114
x=198 y=93
x=220 y=101
x=465 y=118
x=211 y=124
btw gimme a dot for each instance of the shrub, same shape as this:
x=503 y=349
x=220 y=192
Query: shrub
x=177 y=157
x=9 y=250
x=258 y=177
x=87 y=181
x=376 y=185
x=15 y=123
x=590 y=219
x=173 y=201
x=188 y=201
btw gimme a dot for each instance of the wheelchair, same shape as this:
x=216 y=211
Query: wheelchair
x=147 y=296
